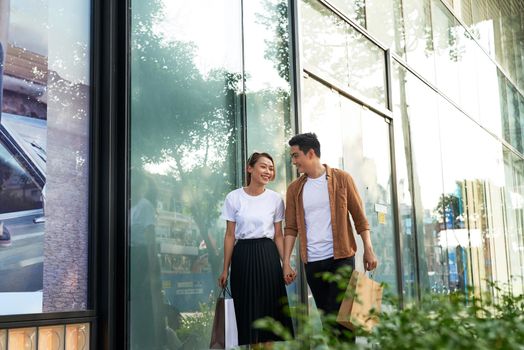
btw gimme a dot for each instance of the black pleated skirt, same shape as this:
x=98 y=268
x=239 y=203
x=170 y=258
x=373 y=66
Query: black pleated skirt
x=258 y=289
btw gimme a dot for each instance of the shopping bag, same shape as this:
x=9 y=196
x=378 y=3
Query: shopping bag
x=224 y=334
x=362 y=295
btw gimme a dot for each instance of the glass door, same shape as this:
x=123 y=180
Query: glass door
x=356 y=139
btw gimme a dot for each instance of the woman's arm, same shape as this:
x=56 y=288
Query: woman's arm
x=229 y=243
x=279 y=239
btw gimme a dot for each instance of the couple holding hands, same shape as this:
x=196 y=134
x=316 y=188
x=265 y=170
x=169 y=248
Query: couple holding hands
x=317 y=205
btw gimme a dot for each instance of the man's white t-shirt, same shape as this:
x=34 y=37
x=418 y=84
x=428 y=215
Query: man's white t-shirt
x=254 y=216
x=317 y=212
x=143 y=214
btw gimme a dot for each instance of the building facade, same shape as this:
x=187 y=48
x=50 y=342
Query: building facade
x=125 y=123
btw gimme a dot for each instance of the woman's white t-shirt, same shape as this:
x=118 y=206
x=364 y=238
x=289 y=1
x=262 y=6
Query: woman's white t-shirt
x=254 y=216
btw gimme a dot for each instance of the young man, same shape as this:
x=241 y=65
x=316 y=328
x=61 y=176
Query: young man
x=317 y=205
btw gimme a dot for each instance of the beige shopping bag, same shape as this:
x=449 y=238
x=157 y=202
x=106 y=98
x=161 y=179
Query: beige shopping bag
x=362 y=295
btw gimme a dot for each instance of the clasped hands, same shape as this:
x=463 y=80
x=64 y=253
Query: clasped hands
x=289 y=273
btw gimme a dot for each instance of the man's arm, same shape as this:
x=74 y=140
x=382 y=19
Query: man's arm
x=358 y=214
x=370 y=260
x=289 y=273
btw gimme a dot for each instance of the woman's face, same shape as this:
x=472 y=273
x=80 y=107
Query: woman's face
x=262 y=172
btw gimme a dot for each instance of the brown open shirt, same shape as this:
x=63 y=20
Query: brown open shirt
x=343 y=198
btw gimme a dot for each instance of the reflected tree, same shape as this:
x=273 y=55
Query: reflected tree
x=448 y=208
x=276 y=21
x=6 y=171
x=183 y=121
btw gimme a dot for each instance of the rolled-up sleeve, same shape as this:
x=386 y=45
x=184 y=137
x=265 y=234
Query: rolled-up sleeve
x=291 y=214
x=356 y=207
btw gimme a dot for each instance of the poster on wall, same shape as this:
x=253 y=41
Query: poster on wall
x=43 y=95
x=23 y=136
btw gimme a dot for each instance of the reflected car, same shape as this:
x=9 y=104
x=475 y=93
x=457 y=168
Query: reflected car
x=5 y=236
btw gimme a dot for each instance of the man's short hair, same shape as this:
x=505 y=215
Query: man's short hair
x=305 y=142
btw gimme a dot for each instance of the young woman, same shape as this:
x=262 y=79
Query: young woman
x=253 y=247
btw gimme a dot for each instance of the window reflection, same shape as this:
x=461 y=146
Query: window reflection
x=514 y=204
x=475 y=179
x=427 y=185
x=184 y=120
x=336 y=49
x=188 y=83
x=446 y=53
x=470 y=223
x=404 y=183
x=419 y=37
x=44 y=155
x=448 y=49
x=355 y=139
x=384 y=21
x=268 y=91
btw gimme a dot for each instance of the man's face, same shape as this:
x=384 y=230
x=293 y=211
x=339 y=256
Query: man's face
x=299 y=159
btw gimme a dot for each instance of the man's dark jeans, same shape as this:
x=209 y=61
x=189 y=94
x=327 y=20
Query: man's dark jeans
x=326 y=293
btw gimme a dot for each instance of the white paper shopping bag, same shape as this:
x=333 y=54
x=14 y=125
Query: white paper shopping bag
x=231 y=324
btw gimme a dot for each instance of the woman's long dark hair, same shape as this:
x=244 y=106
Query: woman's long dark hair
x=253 y=159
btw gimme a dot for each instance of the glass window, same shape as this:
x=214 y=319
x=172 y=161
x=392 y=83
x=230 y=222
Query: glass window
x=404 y=196
x=514 y=203
x=357 y=140
x=353 y=9
x=335 y=49
x=185 y=145
x=516 y=133
x=448 y=51
x=474 y=222
x=482 y=25
x=489 y=96
x=189 y=88
x=508 y=42
x=268 y=91
x=421 y=111
x=366 y=155
x=44 y=155
x=503 y=98
x=468 y=72
x=323 y=39
x=420 y=53
x=383 y=20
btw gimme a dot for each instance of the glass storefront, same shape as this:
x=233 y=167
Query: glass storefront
x=197 y=97
x=457 y=54
x=457 y=225
x=185 y=147
x=202 y=100
x=453 y=214
x=467 y=209
x=422 y=101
